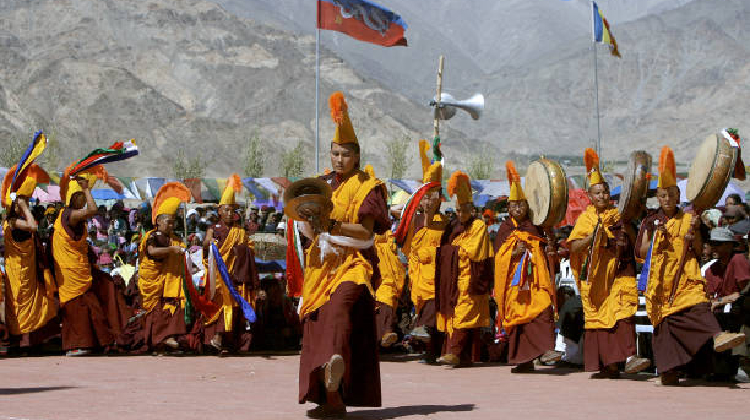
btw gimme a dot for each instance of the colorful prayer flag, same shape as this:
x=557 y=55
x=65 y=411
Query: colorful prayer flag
x=362 y=20
x=602 y=32
x=116 y=152
x=37 y=146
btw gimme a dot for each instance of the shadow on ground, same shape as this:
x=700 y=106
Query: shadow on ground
x=19 y=391
x=408 y=410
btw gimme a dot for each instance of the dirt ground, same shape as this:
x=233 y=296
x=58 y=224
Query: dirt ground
x=265 y=387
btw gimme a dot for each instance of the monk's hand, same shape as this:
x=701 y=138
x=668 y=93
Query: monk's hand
x=519 y=250
x=177 y=249
x=621 y=240
x=82 y=182
x=261 y=295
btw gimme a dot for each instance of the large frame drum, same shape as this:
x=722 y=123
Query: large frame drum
x=710 y=172
x=547 y=192
x=635 y=185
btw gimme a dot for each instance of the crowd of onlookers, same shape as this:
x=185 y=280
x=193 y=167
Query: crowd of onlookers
x=115 y=234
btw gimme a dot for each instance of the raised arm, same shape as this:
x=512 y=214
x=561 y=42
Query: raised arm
x=27 y=223
x=89 y=210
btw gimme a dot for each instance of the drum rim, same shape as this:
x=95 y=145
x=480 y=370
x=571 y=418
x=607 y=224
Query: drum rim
x=720 y=142
x=556 y=166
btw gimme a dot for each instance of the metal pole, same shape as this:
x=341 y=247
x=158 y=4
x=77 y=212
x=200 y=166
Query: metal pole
x=596 y=95
x=317 y=96
x=596 y=85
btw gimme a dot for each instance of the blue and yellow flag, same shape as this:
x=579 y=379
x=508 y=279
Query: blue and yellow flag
x=602 y=32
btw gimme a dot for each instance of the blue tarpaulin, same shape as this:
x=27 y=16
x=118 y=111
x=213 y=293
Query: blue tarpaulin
x=106 y=194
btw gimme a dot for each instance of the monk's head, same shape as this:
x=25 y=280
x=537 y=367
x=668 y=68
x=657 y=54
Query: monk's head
x=344 y=157
x=518 y=210
x=430 y=203
x=226 y=213
x=668 y=199
x=465 y=211
x=77 y=200
x=165 y=223
x=599 y=196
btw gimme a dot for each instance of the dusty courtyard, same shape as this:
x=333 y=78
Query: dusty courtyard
x=265 y=387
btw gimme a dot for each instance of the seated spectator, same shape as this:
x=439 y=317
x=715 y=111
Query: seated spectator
x=252 y=225
x=726 y=277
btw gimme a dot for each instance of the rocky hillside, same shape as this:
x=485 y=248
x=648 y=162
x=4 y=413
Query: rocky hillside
x=683 y=72
x=181 y=75
x=201 y=77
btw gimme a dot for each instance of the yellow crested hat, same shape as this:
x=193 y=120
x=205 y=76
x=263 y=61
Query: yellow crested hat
x=69 y=186
x=516 y=192
x=369 y=170
x=31 y=177
x=460 y=186
x=593 y=173
x=340 y=115
x=667 y=169
x=430 y=172
x=234 y=185
x=169 y=198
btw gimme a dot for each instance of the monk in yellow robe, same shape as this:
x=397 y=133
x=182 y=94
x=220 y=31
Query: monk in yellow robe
x=31 y=306
x=420 y=247
x=388 y=293
x=464 y=278
x=602 y=259
x=161 y=272
x=524 y=286
x=392 y=275
x=339 y=364
x=84 y=321
x=683 y=321
x=228 y=330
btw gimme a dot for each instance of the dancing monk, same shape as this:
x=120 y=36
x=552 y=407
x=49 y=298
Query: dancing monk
x=161 y=272
x=30 y=303
x=604 y=265
x=339 y=364
x=524 y=286
x=464 y=277
x=681 y=313
x=228 y=329
x=85 y=324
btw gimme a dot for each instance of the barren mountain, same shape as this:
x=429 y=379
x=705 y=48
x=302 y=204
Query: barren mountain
x=682 y=75
x=189 y=75
x=181 y=75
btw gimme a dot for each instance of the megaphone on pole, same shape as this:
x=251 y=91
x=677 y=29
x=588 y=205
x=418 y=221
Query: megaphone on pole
x=474 y=106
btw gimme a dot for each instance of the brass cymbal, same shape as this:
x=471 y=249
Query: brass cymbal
x=308 y=193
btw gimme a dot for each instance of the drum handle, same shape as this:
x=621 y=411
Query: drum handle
x=551 y=267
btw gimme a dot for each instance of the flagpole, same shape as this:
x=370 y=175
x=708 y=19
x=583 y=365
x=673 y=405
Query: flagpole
x=317 y=90
x=596 y=84
x=317 y=98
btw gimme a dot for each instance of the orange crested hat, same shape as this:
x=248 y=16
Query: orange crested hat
x=460 y=186
x=667 y=169
x=516 y=192
x=33 y=175
x=593 y=173
x=340 y=115
x=69 y=186
x=169 y=198
x=234 y=185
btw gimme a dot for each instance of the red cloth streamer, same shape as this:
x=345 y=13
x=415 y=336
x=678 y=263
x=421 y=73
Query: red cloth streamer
x=201 y=302
x=411 y=209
